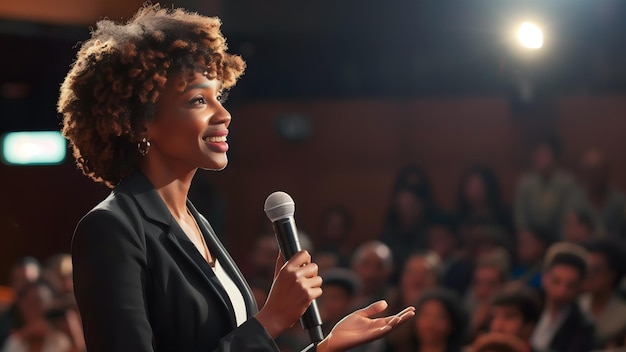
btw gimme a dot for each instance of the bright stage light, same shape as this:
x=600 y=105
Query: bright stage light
x=530 y=36
x=28 y=148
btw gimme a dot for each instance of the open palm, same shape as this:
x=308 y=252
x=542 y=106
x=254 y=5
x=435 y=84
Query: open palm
x=358 y=327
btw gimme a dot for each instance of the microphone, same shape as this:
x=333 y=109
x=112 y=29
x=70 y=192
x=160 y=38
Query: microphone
x=279 y=208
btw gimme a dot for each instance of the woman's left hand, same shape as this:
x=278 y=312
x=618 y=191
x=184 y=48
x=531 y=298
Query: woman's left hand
x=358 y=328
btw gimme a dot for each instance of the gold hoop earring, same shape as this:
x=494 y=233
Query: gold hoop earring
x=143 y=147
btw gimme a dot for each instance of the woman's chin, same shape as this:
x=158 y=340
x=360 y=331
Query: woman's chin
x=216 y=166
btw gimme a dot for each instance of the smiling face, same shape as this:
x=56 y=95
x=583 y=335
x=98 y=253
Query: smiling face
x=190 y=127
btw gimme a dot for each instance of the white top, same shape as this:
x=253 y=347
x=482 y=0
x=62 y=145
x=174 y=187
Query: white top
x=236 y=298
x=55 y=341
x=546 y=329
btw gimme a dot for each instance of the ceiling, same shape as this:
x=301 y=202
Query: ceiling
x=351 y=48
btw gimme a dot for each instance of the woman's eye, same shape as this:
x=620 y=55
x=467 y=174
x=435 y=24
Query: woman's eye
x=197 y=101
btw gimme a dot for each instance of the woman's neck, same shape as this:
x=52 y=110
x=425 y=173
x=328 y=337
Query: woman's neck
x=172 y=186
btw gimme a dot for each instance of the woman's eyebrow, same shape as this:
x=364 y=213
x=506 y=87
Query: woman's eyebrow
x=197 y=86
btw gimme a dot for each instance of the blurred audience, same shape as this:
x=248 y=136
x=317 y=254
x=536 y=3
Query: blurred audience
x=340 y=287
x=597 y=197
x=439 y=325
x=24 y=272
x=413 y=177
x=562 y=326
x=33 y=331
x=543 y=192
x=514 y=313
x=490 y=276
x=530 y=251
x=405 y=226
x=479 y=198
x=429 y=259
x=333 y=239
x=373 y=264
x=601 y=302
x=421 y=272
x=456 y=269
x=578 y=227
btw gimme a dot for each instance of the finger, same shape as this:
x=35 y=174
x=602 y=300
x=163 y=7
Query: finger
x=373 y=308
x=315 y=293
x=308 y=271
x=313 y=282
x=401 y=317
x=299 y=259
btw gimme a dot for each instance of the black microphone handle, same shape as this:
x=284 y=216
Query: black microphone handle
x=287 y=237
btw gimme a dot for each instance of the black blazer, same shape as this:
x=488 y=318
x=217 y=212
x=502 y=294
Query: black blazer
x=141 y=284
x=575 y=334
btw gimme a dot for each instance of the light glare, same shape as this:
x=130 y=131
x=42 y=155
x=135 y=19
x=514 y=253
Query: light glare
x=27 y=148
x=530 y=36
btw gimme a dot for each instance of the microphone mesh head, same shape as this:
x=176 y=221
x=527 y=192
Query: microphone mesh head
x=279 y=205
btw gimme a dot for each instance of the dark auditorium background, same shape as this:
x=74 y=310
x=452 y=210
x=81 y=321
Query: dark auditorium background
x=337 y=97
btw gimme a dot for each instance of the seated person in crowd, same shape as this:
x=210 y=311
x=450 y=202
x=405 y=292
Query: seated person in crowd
x=542 y=193
x=34 y=332
x=456 y=268
x=597 y=196
x=340 y=287
x=373 y=264
x=601 y=302
x=24 y=272
x=530 y=250
x=562 y=326
x=490 y=276
x=515 y=313
x=578 y=227
x=439 y=325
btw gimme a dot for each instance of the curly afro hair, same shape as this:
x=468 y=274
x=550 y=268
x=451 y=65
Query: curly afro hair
x=112 y=88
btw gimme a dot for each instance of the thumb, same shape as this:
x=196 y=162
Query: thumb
x=373 y=308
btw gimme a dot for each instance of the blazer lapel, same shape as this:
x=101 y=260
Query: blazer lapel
x=216 y=247
x=154 y=209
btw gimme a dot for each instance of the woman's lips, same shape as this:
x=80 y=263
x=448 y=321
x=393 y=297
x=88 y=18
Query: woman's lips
x=217 y=143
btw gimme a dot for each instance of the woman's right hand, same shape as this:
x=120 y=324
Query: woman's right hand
x=295 y=286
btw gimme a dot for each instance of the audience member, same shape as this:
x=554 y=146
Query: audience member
x=531 y=249
x=34 y=332
x=23 y=273
x=340 y=287
x=421 y=272
x=497 y=342
x=603 y=202
x=439 y=325
x=515 y=313
x=405 y=226
x=562 y=326
x=456 y=268
x=263 y=260
x=601 y=302
x=542 y=193
x=479 y=198
x=578 y=227
x=414 y=177
x=373 y=264
x=490 y=276
x=334 y=235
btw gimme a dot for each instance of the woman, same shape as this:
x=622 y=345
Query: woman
x=439 y=325
x=142 y=109
x=479 y=198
